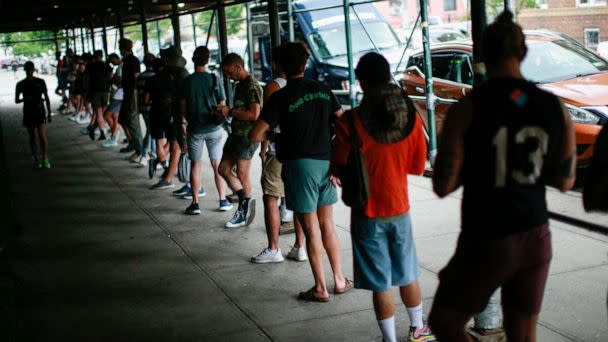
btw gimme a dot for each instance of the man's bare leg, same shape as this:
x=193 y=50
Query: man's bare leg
x=31 y=133
x=225 y=169
x=331 y=244
x=173 y=161
x=519 y=327
x=272 y=218
x=242 y=172
x=43 y=140
x=299 y=243
x=195 y=178
x=219 y=181
x=314 y=247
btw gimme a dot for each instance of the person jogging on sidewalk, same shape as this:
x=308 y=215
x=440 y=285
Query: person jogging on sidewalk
x=32 y=92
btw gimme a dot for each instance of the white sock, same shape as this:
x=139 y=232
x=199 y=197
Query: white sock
x=387 y=326
x=415 y=314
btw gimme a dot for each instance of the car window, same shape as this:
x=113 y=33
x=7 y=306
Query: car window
x=442 y=66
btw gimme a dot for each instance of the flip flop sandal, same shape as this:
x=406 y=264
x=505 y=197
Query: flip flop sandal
x=349 y=285
x=310 y=296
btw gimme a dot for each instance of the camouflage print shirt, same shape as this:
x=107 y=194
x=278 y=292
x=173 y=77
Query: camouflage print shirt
x=246 y=92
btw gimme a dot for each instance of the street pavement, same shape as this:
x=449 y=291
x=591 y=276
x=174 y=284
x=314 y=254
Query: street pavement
x=100 y=257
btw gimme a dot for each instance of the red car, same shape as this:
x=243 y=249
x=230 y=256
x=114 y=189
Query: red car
x=559 y=65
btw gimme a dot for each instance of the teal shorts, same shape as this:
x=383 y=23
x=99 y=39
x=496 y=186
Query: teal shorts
x=307 y=185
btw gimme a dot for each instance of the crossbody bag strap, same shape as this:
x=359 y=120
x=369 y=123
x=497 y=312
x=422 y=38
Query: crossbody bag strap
x=353 y=129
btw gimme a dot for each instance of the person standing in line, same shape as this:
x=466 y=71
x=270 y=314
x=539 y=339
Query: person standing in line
x=144 y=107
x=393 y=145
x=303 y=110
x=238 y=149
x=100 y=74
x=273 y=187
x=32 y=92
x=128 y=116
x=201 y=94
x=503 y=143
x=116 y=96
x=175 y=74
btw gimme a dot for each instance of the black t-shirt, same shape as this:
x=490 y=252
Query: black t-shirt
x=160 y=89
x=303 y=110
x=98 y=76
x=130 y=66
x=514 y=139
x=32 y=90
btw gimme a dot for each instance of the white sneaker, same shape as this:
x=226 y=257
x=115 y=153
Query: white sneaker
x=297 y=254
x=267 y=256
x=134 y=158
x=74 y=117
x=143 y=161
x=286 y=214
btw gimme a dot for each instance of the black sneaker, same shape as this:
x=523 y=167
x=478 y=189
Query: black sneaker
x=91 y=130
x=152 y=167
x=193 y=209
x=249 y=209
x=237 y=221
x=102 y=136
x=127 y=149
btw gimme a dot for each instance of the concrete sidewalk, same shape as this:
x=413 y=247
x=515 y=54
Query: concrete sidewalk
x=100 y=257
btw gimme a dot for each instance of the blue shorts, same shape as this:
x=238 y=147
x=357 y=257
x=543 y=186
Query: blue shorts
x=307 y=185
x=384 y=253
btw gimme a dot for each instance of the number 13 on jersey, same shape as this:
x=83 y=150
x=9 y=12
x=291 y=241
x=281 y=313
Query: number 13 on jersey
x=535 y=156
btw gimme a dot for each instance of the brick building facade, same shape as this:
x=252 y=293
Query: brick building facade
x=585 y=20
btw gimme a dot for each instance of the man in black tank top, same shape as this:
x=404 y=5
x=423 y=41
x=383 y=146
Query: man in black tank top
x=504 y=143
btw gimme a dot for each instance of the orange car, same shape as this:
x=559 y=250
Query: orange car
x=558 y=64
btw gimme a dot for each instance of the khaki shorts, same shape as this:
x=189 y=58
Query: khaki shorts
x=272 y=184
x=100 y=99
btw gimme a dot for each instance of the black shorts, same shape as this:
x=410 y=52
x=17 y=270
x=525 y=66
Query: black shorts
x=519 y=263
x=163 y=128
x=33 y=119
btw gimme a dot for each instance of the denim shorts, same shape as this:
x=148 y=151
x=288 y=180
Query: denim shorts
x=307 y=185
x=213 y=140
x=384 y=253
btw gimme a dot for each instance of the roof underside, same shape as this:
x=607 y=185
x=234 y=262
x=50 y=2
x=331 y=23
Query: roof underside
x=35 y=15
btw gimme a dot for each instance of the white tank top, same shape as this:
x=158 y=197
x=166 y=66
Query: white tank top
x=271 y=148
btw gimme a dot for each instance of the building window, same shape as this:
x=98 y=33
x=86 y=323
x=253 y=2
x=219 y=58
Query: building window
x=542 y=4
x=592 y=38
x=585 y=3
x=449 y=5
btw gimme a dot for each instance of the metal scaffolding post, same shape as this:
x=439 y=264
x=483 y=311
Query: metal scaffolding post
x=158 y=40
x=290 y=21
x=92 y=30
x=223 y=40
x=428 y=76
x=144 y=26
x=177 y=37
x=74 y=40
x=67 y=39
x=82 y=40
x=193 y=19
x=104 y=37
x=249 y=37
x=121 y=27
x=273 y=21
x=56 y=42
x=349 y=53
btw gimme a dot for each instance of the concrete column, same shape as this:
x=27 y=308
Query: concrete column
x=177 y=38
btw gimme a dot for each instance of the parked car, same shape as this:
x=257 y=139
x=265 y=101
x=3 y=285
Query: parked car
x=323 y=32
x=575 y=74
